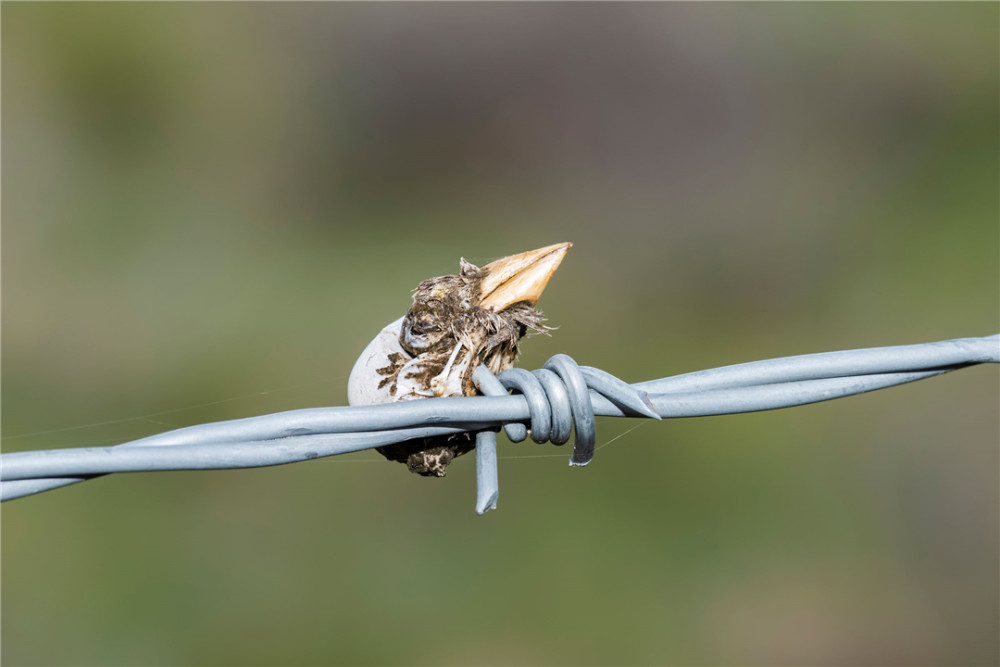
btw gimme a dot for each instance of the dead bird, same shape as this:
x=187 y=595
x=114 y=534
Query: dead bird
x=455 y=324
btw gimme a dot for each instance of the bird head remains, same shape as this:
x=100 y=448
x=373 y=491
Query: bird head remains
x=476 y=317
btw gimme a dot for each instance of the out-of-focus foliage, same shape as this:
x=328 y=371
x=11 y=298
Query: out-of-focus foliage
x=218 y=205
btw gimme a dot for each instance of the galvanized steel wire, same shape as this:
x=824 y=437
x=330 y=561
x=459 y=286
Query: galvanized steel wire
x=551 y=399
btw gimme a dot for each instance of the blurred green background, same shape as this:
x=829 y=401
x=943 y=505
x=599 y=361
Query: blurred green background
x=209 y=209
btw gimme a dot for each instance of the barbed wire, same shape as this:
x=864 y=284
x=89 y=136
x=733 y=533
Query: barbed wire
x=552 y=400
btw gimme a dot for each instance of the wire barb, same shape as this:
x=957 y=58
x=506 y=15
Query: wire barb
x=558 y=398
x=552 y=400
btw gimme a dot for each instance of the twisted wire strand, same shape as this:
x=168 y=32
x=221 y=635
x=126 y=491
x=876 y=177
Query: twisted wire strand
x=553 y=400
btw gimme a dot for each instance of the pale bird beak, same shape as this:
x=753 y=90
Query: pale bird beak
x=520 y=277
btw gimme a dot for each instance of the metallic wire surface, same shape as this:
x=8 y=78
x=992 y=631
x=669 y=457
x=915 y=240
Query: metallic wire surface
x=300 y=435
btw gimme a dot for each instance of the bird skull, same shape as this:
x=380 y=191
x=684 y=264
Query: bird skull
x=394 y=366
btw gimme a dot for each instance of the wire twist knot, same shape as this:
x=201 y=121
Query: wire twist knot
x=558 y=397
